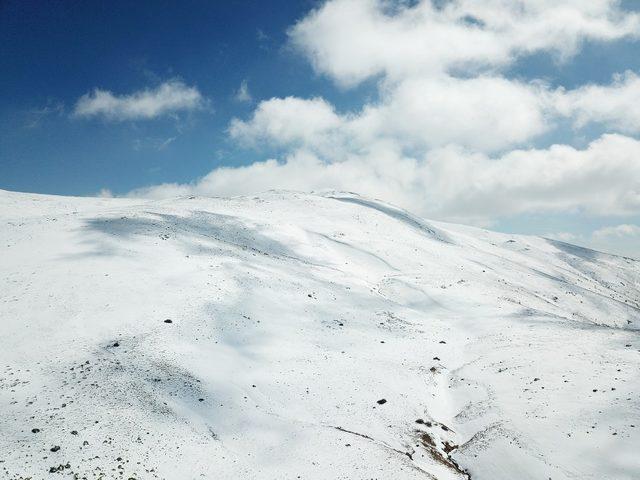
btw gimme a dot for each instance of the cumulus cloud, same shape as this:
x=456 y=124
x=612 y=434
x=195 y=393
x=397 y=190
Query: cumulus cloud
x=616 y=105
x=486 y=113
x=450 y=135
x=288 y=121
x=352 y=40
x=170 y=97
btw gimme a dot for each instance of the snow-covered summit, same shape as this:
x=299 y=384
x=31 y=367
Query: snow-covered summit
x=292 y=335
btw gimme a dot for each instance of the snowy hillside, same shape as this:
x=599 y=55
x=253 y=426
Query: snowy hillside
x=289 y=336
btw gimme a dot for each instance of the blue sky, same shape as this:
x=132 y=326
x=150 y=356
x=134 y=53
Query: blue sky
x=54 y=52
x=310 y=70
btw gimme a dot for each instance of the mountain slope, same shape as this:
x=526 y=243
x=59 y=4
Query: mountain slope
x=292 y=317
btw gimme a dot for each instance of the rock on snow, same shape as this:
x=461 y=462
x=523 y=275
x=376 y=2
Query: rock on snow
x=309 y=336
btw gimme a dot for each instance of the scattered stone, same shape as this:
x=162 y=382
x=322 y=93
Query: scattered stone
x=432 y=369
x=74 y=432
x=116 y=344
x=168 y=320
x=201 y=399
x=420 y=421
x=382 y=401
x=55 y=449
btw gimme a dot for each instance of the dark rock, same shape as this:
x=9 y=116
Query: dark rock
x=74 y=432
x=382 y=401
x=168 y=320
x=35 y=430
x=55 y=449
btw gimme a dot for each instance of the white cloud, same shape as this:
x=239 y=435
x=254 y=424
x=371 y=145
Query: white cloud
x=451 y=183
x=352 y=40
x=616 y=105
x=154 y=143
x=622 y=239
x=418 y=51
x=484 y=113
x=567 y=237
x=449 y=135
x=105 y=193
x=287 y=121
x=243 y=94
x=623 y=230
x=169 y=97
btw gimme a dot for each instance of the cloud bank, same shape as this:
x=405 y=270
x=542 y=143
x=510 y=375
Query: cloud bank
x=451 y=135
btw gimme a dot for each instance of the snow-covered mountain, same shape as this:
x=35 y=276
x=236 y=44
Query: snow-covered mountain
x=290 y=335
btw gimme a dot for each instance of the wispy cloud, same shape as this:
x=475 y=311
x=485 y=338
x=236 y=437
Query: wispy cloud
x=623 y=230
x=35 y=116
x=168 y=98
x=243 y=94
x=622 y=239
x=152 y=143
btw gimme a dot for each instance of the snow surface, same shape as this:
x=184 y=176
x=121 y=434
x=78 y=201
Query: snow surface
x=499 y=356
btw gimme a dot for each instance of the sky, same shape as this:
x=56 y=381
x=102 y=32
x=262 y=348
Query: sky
x=518 y=116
